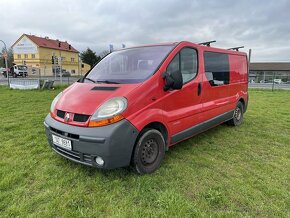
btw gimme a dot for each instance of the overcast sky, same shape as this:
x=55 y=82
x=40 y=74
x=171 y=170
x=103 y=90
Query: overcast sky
x=263 y=26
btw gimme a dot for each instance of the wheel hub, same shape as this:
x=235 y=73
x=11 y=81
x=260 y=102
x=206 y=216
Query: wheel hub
x=149 y=151
x=238 y=113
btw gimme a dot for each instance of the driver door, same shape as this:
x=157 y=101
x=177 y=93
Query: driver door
x=182 y=108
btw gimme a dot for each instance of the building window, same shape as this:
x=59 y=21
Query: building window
x=19 y=56
x=26 y=56
x=217 y=68
x=72 y=60
x=33 y=56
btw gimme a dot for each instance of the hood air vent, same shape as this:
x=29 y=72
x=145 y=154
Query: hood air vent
x=104 y=88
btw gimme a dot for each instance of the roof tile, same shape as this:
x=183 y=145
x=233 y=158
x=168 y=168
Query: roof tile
x=51 y=43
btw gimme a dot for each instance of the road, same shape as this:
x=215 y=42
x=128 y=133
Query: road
x=269 y=86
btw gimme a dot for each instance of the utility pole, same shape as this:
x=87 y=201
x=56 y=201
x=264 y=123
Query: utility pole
x=6 y=62
x=78 y=65
x=60 y=66
x=249 y=62
x=53 y=65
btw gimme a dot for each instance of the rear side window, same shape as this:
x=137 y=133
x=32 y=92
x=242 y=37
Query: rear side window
x=217 y=68
x=186 y=62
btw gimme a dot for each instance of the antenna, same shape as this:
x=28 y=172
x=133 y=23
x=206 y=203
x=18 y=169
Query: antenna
x=236 y=48
x=207 y=43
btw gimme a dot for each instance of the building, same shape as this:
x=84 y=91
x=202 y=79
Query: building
x=267 y=71
x=47 y=56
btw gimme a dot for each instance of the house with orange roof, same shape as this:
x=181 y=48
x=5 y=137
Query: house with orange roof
x=47 y=55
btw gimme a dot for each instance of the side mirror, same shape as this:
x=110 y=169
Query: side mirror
x=173 y=80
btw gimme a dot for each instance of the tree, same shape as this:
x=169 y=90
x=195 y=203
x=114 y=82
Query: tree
x=104 y=53
x=10 y=59
x=89 y=57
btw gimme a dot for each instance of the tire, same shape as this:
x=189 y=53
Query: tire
x=238 y=115
x=149 y=152
x=14 y=75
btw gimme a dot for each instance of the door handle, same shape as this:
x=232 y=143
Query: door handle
x=199 y=89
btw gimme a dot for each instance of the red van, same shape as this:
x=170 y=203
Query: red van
x=137 y=102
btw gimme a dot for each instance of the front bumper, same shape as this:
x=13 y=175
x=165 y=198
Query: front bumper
x=114 y=143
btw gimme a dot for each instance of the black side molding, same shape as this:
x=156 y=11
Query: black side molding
x=202 y=127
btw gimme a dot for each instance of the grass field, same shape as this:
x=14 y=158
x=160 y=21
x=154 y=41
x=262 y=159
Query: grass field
x=224 y=172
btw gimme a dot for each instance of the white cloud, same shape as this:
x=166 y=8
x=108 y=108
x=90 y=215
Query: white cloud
x=261 y=26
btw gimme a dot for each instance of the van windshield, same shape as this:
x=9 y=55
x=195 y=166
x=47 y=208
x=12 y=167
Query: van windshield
x=129 y=66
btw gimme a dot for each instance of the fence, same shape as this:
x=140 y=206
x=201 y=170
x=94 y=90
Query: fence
x=33 y=82
x=269 y=79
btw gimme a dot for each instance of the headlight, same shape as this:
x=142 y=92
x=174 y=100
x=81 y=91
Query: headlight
x=54 y=102
x=109 y=112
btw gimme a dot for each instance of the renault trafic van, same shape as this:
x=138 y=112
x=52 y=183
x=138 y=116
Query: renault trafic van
x=137 y=102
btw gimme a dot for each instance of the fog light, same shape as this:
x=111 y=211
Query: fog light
x=99 y=161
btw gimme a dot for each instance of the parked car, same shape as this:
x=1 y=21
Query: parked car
x=278 y=81
x=137 y=102
x=64 y=73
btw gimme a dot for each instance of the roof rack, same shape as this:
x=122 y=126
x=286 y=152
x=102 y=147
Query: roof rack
x=207 y=43
x=236 y=48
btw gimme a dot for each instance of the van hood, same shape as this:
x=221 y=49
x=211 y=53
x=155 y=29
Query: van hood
x=85 y=98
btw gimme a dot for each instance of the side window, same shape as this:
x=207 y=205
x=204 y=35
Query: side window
x=217 y=68
x=186 y=62
x=174 y=65
x=188 y=58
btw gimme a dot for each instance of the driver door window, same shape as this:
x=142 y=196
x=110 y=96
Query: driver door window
x=186 y=62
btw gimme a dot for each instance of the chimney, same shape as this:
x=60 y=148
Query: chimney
x=59 y=44
x=69 y=47
x=46 y=37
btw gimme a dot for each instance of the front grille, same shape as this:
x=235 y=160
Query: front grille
x=86 y=158
x=66 y=134
x=60 y=113
x=81 y=118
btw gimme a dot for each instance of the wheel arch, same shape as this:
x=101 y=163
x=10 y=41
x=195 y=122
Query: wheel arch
x=242 y=100
x=161 y=128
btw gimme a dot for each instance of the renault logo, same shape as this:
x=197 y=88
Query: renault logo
x=67 y=116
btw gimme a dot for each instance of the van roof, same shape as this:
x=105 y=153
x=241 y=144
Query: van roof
x=197 y=45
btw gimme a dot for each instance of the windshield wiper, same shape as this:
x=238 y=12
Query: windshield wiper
x=107 y=81
x=90 y=80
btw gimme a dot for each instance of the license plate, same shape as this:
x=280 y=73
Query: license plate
x=61 y=142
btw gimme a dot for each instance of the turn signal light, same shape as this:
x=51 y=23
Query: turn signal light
x=114 y=119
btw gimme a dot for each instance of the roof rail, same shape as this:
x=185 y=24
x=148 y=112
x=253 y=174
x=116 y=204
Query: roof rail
x=236 y=48
x=207 y=43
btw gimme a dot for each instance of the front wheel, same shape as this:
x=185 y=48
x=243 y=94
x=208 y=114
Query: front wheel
x=149 y=152
x=238 y=115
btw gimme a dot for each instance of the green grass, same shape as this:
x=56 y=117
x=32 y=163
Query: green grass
x=224 y=172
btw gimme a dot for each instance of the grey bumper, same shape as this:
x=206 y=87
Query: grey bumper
x=114 y=143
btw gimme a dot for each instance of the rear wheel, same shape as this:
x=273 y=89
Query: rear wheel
x=238 y=115
x=149 y=152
